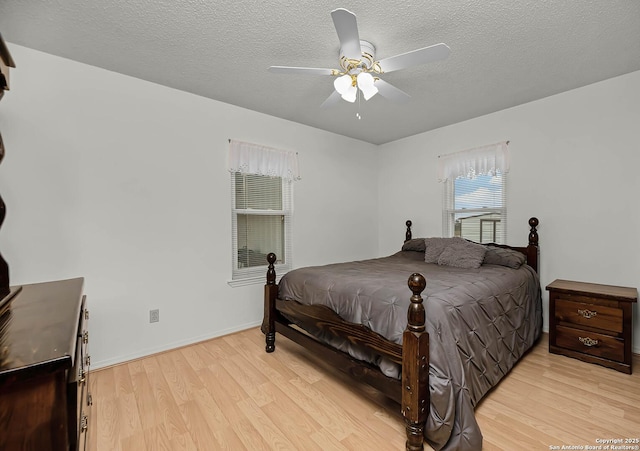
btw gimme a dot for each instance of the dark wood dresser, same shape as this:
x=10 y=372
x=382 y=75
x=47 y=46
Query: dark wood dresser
x=592 y=322
x=44 y=368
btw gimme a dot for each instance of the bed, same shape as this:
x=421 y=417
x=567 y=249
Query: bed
x=436 y=348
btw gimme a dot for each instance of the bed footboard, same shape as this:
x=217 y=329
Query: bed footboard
x=412 y=390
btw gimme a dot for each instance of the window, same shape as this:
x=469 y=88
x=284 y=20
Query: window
x=474 y=204
x=261 y=223
x=475 y=208
x=261 y=209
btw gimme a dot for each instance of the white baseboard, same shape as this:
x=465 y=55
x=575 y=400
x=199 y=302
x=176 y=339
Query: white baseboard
x=169 y=346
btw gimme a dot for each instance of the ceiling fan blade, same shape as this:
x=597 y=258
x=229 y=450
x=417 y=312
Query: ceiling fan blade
x=331 y=100
x=388 y=91
x=300 y=70
x=347 y=29
x=429 y=54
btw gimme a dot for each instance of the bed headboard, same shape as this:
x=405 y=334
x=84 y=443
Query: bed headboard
x=531 y=251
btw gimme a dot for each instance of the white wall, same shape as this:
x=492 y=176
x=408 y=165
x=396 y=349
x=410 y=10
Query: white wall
x=574 y=164
x=124 y=182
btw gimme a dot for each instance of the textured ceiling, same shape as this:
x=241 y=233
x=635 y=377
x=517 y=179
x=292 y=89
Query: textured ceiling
x=503 y=53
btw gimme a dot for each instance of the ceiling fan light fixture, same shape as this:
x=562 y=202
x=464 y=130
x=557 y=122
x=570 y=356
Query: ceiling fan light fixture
x=350 y=94
x=366 y=85
x=346 y=87
x=342 y=84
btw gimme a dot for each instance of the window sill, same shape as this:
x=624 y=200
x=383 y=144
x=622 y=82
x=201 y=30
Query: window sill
x=258 y=280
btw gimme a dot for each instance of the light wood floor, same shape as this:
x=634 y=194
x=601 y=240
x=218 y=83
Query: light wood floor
x=227 y=393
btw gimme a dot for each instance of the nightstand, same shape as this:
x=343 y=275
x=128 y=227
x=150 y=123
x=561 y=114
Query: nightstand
x=592 y=322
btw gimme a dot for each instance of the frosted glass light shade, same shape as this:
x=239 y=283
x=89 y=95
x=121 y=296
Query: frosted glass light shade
x=342 y=84
x=366 y=85
x=350 y=94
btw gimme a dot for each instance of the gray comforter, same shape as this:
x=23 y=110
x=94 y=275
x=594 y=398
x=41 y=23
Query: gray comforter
x=480 y=322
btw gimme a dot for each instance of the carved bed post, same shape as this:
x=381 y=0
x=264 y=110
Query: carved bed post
x=415 y=367
x=5 y=63
x=407 y=235
x=4 y=268
x=270 y=295
x=532 y=249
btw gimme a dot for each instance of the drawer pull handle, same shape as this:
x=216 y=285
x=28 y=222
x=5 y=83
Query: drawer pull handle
x=588 y=341
x=588 y=314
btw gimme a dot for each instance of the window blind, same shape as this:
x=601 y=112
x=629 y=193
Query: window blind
x=262 y=207
x=475 y=208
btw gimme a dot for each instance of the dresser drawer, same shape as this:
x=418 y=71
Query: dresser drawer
x=84 y=396
x=79 y=395
x=598 y=316
x=83 y=417
x=591 y=343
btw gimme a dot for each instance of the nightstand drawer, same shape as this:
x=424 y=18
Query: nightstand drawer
x=598 y=316
x=591 y=343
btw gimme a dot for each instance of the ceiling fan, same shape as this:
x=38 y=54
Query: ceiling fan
x=358 y=67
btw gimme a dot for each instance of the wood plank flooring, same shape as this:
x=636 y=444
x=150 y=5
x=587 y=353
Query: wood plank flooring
x=228 y=394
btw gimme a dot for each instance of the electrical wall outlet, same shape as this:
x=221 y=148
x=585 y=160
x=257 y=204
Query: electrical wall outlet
x=154 y=316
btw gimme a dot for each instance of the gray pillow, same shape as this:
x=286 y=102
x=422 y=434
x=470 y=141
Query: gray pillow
x=504 y=257
x=416 y=244
x=435 y=246
x=463 y=255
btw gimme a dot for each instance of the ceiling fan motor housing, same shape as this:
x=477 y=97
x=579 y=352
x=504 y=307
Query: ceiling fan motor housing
x=365 y=63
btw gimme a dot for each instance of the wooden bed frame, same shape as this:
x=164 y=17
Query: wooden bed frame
x=412 y=389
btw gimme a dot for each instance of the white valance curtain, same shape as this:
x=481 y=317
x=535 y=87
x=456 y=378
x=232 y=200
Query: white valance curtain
x=469 y=163
x=250 y=158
